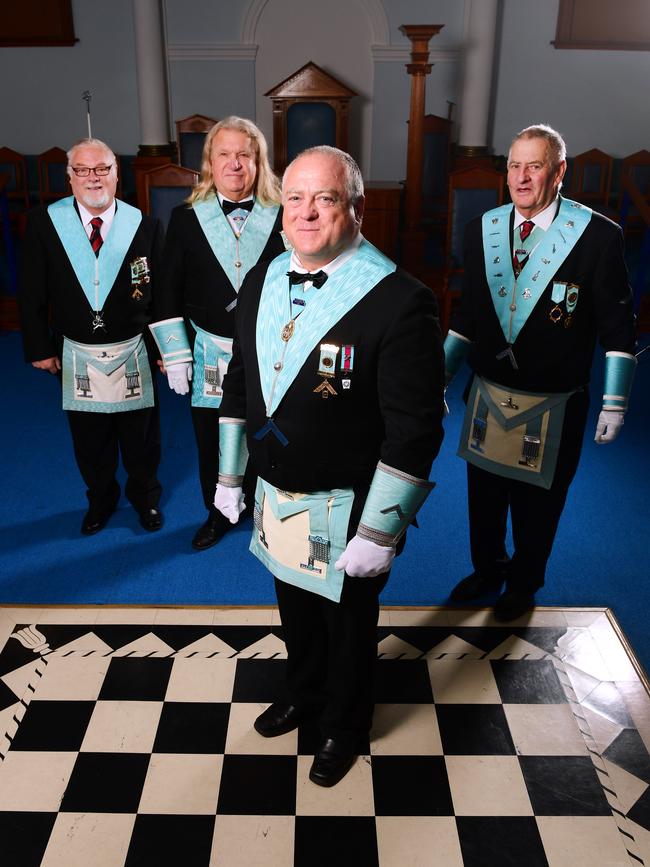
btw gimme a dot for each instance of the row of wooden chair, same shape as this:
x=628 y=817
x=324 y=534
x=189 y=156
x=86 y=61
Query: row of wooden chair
x=52 y=176
x=474 y=190
x=51 y=165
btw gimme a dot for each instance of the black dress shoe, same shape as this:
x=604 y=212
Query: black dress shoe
x=331 y=763
x=209 y=533
x=511 y=605
x=151 y=519
x=94 y=521
x=278 y=719
x=474 y=586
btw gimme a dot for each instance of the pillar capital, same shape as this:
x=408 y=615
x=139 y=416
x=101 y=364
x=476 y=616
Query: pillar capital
x=420 y=35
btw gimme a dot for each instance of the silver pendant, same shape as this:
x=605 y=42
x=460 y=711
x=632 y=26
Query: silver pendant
x=98 y=321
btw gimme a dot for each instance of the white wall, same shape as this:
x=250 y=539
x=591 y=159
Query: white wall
x=41 y=87
x=336 y=36
x=595 y=98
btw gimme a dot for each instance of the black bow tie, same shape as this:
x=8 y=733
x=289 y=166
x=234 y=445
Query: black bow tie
x=229 y=207
x=317 y=278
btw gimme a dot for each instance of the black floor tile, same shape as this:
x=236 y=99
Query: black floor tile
x=119 y=635
x=24 y=836
x=53 y=725
x=500 y=841
x=106 y=783
x=7 y=696
x=564 y=786
x=403 y=681
x=136 y=679
x=528 y=681
x=241 y=637
x=474 y=730
x=171 y=841
x=640 y=812
x=422 y=637
x=260 y=680
x=192 y=727
x=258 y=785
x=335 y=841
x=629 y=752
x=411 y=786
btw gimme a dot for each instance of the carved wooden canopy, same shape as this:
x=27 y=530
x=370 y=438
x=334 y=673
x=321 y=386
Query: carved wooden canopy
x=313 y=90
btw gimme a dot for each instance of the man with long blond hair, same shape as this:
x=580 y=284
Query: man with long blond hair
x=231 y=222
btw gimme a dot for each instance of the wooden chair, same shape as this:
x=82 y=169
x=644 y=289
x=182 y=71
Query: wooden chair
x=190 y=137
x=636 y=168
x=472 y=191
x=14 y=165
x=52 y=176
x=435 y=169
x=591 y=179
x=165 y=187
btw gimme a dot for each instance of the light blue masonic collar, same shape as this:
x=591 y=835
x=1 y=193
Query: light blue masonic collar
x=96 y=274
x=342 y=291
x=514 y=300
x=222 y=239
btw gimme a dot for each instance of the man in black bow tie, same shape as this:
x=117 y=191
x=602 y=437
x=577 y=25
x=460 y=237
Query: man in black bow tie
x=232 y=221
x=336 y=381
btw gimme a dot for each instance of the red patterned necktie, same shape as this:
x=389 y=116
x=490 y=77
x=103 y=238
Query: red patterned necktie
x=96 y=240
x=524 y=231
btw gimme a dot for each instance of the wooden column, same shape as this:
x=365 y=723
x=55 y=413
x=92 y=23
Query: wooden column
x=418 y=68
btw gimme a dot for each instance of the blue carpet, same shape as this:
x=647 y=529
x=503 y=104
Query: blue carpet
x=600 y=556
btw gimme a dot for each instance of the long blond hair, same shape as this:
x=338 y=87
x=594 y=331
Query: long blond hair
x=266 y=187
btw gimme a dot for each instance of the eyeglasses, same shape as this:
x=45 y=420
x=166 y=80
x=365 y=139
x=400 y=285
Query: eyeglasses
x=84 y=171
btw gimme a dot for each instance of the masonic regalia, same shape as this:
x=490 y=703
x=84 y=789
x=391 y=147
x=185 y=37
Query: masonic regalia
x=111 y=377
x=299 y=537
x=515 y=434
x=212 y=356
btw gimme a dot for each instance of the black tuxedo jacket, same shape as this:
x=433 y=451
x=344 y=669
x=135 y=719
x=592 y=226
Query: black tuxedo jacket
x=550 y=356
x=53 y=305
x=392 y=411
x=194 y=284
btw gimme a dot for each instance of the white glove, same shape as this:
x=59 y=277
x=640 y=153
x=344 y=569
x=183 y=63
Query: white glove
x=179 y=376
x=365 y=559
x=230 y=502
x=608 y=426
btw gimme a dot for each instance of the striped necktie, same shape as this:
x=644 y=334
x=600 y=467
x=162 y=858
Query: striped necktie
x=96 y=240
x=520 y=256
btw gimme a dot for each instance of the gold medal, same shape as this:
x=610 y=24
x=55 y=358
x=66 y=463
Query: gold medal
x=287 y=331
x=556 y=314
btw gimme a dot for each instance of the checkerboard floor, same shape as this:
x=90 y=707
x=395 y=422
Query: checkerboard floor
x=126 y=739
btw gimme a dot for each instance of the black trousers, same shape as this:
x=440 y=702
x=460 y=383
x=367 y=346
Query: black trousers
x=206 y=431
x=332 y=654
x=534 y=512
x=99 y=439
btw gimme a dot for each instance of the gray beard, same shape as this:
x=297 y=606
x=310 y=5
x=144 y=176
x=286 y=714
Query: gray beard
x=97 y=201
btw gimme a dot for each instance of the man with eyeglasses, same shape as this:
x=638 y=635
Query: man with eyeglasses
x=90 y=262
x=544 y=279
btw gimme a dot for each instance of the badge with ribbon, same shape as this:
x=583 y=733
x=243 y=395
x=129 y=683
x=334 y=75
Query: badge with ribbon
x=570 y=301
x=347 y=366
x=140 y=275
x=327 y=369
